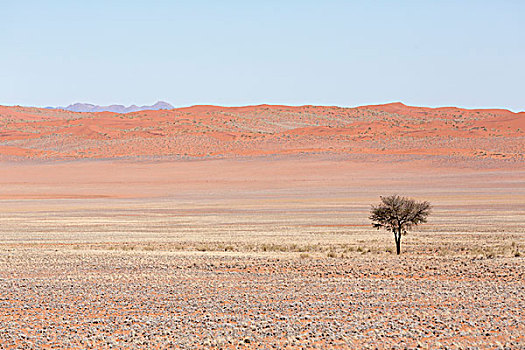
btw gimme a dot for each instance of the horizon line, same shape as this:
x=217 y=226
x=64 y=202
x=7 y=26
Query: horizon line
x=277 y=105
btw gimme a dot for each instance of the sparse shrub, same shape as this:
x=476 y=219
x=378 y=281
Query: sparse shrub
x=349 y=249
x=331 y=254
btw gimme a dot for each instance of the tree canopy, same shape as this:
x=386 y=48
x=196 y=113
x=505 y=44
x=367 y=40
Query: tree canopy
x=398 y=215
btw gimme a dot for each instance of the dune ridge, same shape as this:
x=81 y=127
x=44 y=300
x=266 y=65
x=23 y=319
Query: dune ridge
x=204 y=132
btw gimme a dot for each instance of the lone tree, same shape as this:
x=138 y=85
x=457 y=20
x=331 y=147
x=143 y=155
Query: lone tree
x=398 y=215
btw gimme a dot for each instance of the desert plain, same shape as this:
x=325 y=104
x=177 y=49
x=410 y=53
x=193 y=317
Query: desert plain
x=212 y=227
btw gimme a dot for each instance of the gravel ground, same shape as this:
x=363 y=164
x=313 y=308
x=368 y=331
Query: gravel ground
x=62 y=298
x=268 y=255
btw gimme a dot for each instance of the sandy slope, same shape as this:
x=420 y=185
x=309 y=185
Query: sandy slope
x=229 y=132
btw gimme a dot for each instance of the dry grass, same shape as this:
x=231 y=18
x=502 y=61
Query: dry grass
x=294 y=227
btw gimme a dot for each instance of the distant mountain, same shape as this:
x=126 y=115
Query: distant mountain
x=88 y=107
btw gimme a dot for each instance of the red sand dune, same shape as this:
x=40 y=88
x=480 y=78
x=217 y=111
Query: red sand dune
x=230 y=132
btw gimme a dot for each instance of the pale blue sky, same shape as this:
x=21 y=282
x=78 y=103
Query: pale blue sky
x=346 y=53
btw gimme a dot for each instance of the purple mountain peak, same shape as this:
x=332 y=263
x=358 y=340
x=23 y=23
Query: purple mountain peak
x=88 y=107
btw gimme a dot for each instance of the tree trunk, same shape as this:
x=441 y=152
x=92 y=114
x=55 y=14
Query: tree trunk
x=397 y=237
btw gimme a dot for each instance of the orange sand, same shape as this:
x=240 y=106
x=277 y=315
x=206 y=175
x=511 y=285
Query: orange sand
x=229 y=132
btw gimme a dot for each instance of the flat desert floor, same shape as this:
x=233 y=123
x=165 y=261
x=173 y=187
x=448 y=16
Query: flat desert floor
x=259 y=253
